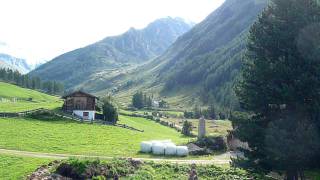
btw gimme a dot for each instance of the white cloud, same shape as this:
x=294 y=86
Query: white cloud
x=42 y=29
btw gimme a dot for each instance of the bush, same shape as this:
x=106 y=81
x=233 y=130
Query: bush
x=43 y=115
x=110 y=110
x=149 y=117
x=187 y=128
x=188 y=115
x=212 y=143
x=136 y=170
x=222 y=116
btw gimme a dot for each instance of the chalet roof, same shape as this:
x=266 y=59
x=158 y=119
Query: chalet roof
x=74 y=94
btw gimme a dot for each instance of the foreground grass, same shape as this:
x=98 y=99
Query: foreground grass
x=14 y=99
x=62 y=136
x=14 y=167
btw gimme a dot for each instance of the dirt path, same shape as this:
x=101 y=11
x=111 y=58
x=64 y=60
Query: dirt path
x=222 y=159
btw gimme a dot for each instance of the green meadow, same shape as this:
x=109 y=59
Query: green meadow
x=56 y=135
x=14 y=99
x=63 y=136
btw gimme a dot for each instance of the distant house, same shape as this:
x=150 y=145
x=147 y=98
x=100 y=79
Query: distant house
x=155 y=104
x=80 y=104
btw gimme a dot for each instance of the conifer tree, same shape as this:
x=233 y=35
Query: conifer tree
x=281 y=85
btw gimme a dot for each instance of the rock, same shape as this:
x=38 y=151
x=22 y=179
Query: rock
x=195 y=150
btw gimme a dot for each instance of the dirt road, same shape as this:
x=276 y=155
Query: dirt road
x=222 y=159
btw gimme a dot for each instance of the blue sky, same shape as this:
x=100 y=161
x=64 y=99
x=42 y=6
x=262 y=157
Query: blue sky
x=40 y=30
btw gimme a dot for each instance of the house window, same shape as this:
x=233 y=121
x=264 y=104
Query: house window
x=85 y=114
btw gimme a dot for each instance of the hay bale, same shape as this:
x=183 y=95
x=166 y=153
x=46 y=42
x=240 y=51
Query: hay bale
x=146 y=147
x=171 y=149
x=182 y=150
x=158 y=148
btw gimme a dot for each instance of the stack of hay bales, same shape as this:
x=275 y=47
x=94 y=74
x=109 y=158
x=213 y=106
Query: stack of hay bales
x=164 y=147
x=146 y=147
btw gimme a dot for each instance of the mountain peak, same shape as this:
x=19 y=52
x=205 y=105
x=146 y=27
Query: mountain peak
x=206 y=59
x=113 y=54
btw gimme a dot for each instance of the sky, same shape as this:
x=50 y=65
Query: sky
x=39 y=30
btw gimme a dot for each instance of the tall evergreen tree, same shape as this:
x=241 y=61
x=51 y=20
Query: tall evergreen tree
x=138 y=100
x=110 y=110
x=280 y=87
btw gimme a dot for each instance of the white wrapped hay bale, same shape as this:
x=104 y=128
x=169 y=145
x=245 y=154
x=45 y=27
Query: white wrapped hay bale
x=146 y=146
x=182 y=151
x=158 y=148
x=171 y=149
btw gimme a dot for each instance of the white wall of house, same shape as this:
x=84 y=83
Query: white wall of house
x=81 y=113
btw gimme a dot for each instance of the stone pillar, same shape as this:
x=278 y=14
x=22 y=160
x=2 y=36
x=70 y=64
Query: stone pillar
x=202 y=128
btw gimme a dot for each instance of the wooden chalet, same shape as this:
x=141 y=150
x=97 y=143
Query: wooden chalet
x=80 y=104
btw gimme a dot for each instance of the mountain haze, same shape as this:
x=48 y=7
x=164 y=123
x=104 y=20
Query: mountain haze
x=10 y=62
x=205 y=61
x=112 y=55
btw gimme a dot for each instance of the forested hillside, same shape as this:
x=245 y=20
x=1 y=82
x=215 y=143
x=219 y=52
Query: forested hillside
x=25 y=81
x=205 y=61
x=88 y=66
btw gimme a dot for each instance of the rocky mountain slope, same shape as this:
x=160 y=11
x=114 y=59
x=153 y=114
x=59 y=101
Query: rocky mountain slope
x=205 y=61
x=112 y=56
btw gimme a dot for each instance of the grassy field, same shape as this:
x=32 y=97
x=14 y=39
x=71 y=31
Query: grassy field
x=62 y=136
x=14 y=98
x=213 y=128
x=14 y=167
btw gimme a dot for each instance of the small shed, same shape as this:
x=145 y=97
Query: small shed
x=80 y=104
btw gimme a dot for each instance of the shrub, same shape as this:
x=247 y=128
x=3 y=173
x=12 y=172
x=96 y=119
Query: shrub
x=187 y=128
x=43 y=115
x=110 y=110
x=212 y=143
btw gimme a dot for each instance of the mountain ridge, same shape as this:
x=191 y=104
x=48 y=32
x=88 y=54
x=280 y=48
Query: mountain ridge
x=205 y=61
x=116 y=53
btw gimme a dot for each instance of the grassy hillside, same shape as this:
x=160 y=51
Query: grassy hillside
x=112 y=56
x=14 y=98
x=62 y=136
x=15 y=167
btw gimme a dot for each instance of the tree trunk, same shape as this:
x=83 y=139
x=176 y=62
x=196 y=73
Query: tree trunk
x=292 y=175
